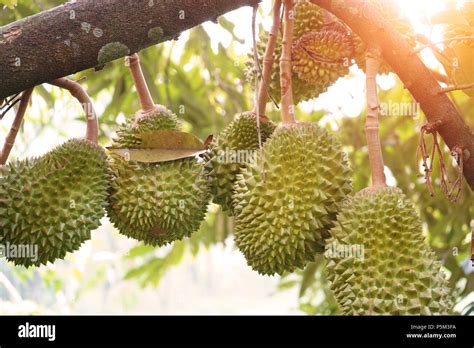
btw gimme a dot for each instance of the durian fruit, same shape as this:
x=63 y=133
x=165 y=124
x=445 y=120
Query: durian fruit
x=236 y=145
x=320 y=58
x=159 y=119
x=392 y=13
x=156 y=203
x=286 y=202
x=309 y=18
x=378 y=261
x=53 y=202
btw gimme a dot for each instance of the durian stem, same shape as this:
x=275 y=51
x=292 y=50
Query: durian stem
x=372 y=121
x=141 y=86
x=287 y=106
x=268 y=60
x=78 y=92
x=11 y=137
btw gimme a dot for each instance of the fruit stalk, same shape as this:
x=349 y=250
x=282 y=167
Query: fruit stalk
x=141 y=86
x=11 y=137
x=78 y=92
x=268 y=60
x=288 y=110
x=372 y=121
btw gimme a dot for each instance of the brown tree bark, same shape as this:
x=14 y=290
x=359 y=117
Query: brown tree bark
x=88 y=33
x=366 y=21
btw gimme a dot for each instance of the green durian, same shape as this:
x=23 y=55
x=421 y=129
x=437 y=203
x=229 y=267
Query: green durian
x=236 y=145
x=156 y=203
x=320 y=58
x=394 y=271
x=286 y=202
x=160 y=119
x=53 y=202
x=309 y=18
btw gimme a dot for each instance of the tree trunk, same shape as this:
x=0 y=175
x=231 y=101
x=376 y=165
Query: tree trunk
x=89 y=33
x=366 y=22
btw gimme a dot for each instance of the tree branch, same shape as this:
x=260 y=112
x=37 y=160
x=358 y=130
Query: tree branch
x=372 y=120
x=366 y=21
x=84 y=34
x=11 y=137
x=76 y=90
x=268 y=58
x=287 y=105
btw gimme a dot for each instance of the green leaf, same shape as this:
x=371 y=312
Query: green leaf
x=155 y=155
x=162 y=146
x=9 y=3
x=170 y=140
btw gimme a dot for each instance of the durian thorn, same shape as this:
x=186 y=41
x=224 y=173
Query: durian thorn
x=11 y=137
x=146 y=101
x=372 y=121
x=263 y=91
x=288 y=109
x=78 y=92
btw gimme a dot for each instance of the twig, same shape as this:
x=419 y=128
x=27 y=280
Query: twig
x=439 y=76
x=258 y=108
x=458 y=153
x=263 y=91
x=372 y=122
x=11 y=137
x=146 y=101
x=433 y=44
x=288 y=109
x=78 y=92
x=456 y=88
x=141 y=86
x=8 y=104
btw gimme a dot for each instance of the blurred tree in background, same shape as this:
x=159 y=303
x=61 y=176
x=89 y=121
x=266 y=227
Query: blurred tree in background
x=203 y=81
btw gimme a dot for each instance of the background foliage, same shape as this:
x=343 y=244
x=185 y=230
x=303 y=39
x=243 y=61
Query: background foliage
x=204 y=83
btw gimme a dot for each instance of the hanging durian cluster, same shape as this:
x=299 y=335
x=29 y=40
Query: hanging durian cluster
x=309 y=18
x=286 y=201
x=53 y=202
x=156 y=203
x=394 y=271
x=323 y=52
x=236 y=145
x=320 y=58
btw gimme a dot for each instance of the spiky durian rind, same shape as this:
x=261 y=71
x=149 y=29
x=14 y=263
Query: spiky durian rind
x=159 y=120
x=236 y=145
x=321 y=58
x=394 y=271
x=158 y=203
x=287 y=200
x=53 y=202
